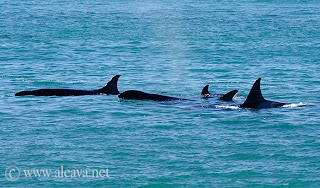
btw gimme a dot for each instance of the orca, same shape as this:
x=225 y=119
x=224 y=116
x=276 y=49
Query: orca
x=110 y=88
x=257 y=101
x=139 y=95
x=224 y=97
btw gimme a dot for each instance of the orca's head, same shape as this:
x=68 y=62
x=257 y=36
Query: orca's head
x=22 y=93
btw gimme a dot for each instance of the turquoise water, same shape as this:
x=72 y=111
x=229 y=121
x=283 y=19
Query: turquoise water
x=170 y=48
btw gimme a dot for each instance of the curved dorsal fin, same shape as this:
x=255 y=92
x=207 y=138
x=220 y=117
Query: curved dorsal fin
x=255 y=95
x=112 y=86
x=228 y=96
x=205 y=90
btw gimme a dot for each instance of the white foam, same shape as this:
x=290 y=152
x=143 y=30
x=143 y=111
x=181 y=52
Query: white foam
x=294 y=105
x=226 y=107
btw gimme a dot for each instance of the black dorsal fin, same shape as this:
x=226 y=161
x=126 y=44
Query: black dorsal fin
x=205 y=90
x=255 y=95
x=112 y=86
x=228 y=96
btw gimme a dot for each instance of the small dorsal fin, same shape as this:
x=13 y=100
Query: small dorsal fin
x=255 y=95
x=228 y=96
x=112 y=86
x=205 y=90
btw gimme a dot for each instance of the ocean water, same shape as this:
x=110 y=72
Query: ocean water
x=170 y=48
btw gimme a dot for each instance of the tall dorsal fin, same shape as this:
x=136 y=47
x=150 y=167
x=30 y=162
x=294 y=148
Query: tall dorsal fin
x=228 y=96
x=255 y=95
x=205 y=90
x=112 y=86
